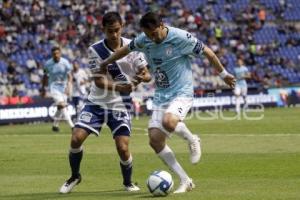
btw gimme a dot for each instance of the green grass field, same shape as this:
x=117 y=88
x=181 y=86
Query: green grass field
x=242 y=160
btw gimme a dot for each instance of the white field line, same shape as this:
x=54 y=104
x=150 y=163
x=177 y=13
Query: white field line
x=230 y=135
x=253 y=135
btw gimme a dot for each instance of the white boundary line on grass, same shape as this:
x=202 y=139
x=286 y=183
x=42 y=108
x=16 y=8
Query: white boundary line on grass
x=230 y=135
x=252 y=135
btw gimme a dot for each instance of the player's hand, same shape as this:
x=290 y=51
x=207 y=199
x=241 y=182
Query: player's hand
x=230 y=80
x=126 y=88
x=137 y=79
x=103 y=66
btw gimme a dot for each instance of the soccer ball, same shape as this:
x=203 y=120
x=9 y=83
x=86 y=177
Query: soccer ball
x=160 y=183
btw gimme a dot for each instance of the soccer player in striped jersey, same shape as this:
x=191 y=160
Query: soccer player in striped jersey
x=109 y=100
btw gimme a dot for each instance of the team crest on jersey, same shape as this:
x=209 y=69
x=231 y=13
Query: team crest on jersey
x=169 y=51
x=86 y=116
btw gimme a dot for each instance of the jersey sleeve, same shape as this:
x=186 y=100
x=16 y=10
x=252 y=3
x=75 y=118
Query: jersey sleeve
x=94 y=61
x=84 y=75
x=69 y=66
x=137 y=44
x=190 y=44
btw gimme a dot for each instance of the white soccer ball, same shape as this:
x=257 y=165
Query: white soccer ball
x=160 y=183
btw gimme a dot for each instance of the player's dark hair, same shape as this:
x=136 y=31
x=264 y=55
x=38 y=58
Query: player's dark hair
x=111 y=17
x=55 y=49
x=150 y=20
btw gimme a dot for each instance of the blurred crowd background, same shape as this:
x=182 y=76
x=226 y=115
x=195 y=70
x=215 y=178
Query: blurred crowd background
x=263 y=33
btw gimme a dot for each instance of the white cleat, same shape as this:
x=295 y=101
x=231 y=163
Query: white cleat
x=185 y=186
x=69 y=185
x=195 y=150
x=131 y=187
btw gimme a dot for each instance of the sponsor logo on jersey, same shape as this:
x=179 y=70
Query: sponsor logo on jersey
x=180 y=110
x=161 y=78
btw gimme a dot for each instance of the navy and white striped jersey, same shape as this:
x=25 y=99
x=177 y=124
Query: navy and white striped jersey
x=121 y=71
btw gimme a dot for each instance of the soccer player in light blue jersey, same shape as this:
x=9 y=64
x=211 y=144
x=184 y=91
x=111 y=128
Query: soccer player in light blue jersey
x=58 y=77
x=168 y=51
x=241 y=73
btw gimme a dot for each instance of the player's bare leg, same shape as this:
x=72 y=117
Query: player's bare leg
x=172 y=123
x=122 y=143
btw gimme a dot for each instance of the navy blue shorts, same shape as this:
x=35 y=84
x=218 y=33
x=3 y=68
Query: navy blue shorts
x=92 y=117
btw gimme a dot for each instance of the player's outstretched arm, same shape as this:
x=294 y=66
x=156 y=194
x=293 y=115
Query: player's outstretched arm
x=101 y=81
x=120 y=53
x=228 y=78
x=104 y=83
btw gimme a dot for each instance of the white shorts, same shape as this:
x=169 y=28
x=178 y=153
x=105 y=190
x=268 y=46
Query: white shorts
x=240 y=91
x=58 y=95
x=180 y=106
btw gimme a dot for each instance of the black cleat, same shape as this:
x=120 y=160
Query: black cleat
x=55 y=129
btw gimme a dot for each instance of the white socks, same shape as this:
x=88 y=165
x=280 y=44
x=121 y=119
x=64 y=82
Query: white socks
x=127 y=162
x=67 y=117
x=57 y=117
x=182 y=131
x=76 y=150
x=168 y=157
x=238 y=104
x=61 y=114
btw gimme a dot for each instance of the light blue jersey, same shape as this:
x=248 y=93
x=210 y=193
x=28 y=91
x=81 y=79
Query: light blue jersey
x=240 y=72
x=58 y=73
x=170 y=63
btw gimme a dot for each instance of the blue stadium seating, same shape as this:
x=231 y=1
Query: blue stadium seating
x=266 y=35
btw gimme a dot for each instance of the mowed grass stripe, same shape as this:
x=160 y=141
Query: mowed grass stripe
x=241 y=160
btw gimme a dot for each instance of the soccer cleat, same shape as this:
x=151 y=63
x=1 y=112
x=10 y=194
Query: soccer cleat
x=185 y=186
x=195 y=150
x=55 y=128
x=131 y=187
x=69 y=185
